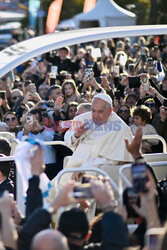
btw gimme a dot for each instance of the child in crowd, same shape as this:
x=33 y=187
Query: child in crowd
x=70 y=93
x=141 y=116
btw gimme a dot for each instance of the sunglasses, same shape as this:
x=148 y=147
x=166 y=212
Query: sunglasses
x=9 y=120
x=150 y=104
x=124 y=111
x=18 y=85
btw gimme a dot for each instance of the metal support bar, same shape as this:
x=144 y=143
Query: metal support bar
x=158 y=137
x=82 y=169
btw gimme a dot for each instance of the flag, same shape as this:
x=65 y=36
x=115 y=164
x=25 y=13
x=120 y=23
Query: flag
x=53 y=16
x=89 y=5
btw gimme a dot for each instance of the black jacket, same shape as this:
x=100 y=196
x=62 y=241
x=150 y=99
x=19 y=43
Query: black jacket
x=7 y=185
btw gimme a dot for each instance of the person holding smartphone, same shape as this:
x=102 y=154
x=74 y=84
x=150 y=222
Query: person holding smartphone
x=34 y=129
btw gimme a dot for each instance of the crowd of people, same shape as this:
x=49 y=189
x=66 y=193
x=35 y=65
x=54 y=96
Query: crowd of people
x=91 y=96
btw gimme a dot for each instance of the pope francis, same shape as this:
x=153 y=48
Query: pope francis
x=98 y=138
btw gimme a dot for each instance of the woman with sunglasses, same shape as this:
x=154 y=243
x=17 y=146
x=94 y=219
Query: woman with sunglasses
x=124 y=112
x=12 y=121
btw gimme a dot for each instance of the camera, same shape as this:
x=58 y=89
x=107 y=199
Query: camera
x=83 y=191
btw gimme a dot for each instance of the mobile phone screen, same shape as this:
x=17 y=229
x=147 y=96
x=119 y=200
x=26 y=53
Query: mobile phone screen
x=153 y=241
x=152 y=237
x=139 y=177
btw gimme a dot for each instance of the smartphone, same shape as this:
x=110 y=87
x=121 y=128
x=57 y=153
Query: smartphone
x=88 y=73
x=87 y=178
x=52 y=78
x=150 y=62
x=131 y=68
x=96 y=52
x=130 y=198
x=116 y=69
x=32 y=88
x=3 y=94
x=54 y=69
x=146 y=84
x=29 y=119
x=139 y=177
x=152 y=236
x=82 y=192
x=134 y=81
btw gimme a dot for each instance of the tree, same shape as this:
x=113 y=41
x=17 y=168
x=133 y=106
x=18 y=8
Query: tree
x=162 y=10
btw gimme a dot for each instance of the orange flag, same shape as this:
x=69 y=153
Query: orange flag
x=53 y=16
x=89 y=5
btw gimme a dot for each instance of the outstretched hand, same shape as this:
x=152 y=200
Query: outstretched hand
x=134 y=147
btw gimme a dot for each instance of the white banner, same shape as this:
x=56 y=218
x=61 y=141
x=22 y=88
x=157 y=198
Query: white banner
x=19 y=53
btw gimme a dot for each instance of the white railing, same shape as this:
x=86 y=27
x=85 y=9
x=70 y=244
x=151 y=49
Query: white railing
x=126 y=166
x=158 y=137
x=83 y=169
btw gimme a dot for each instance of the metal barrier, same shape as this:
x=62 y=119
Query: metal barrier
x=123 y=167
x=158 y=137
x=83 y=169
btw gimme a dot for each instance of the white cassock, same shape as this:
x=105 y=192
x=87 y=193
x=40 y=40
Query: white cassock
x=100 y=146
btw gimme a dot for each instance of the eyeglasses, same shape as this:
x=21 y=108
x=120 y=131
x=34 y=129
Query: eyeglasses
x=15 y=97
x=150 y=104
x=123 y=111
x=9 y=120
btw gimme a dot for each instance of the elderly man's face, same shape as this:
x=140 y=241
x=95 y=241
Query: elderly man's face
x=100 y=111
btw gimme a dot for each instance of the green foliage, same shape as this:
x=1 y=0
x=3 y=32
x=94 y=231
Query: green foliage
x=71 y=8
x=162 y=10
